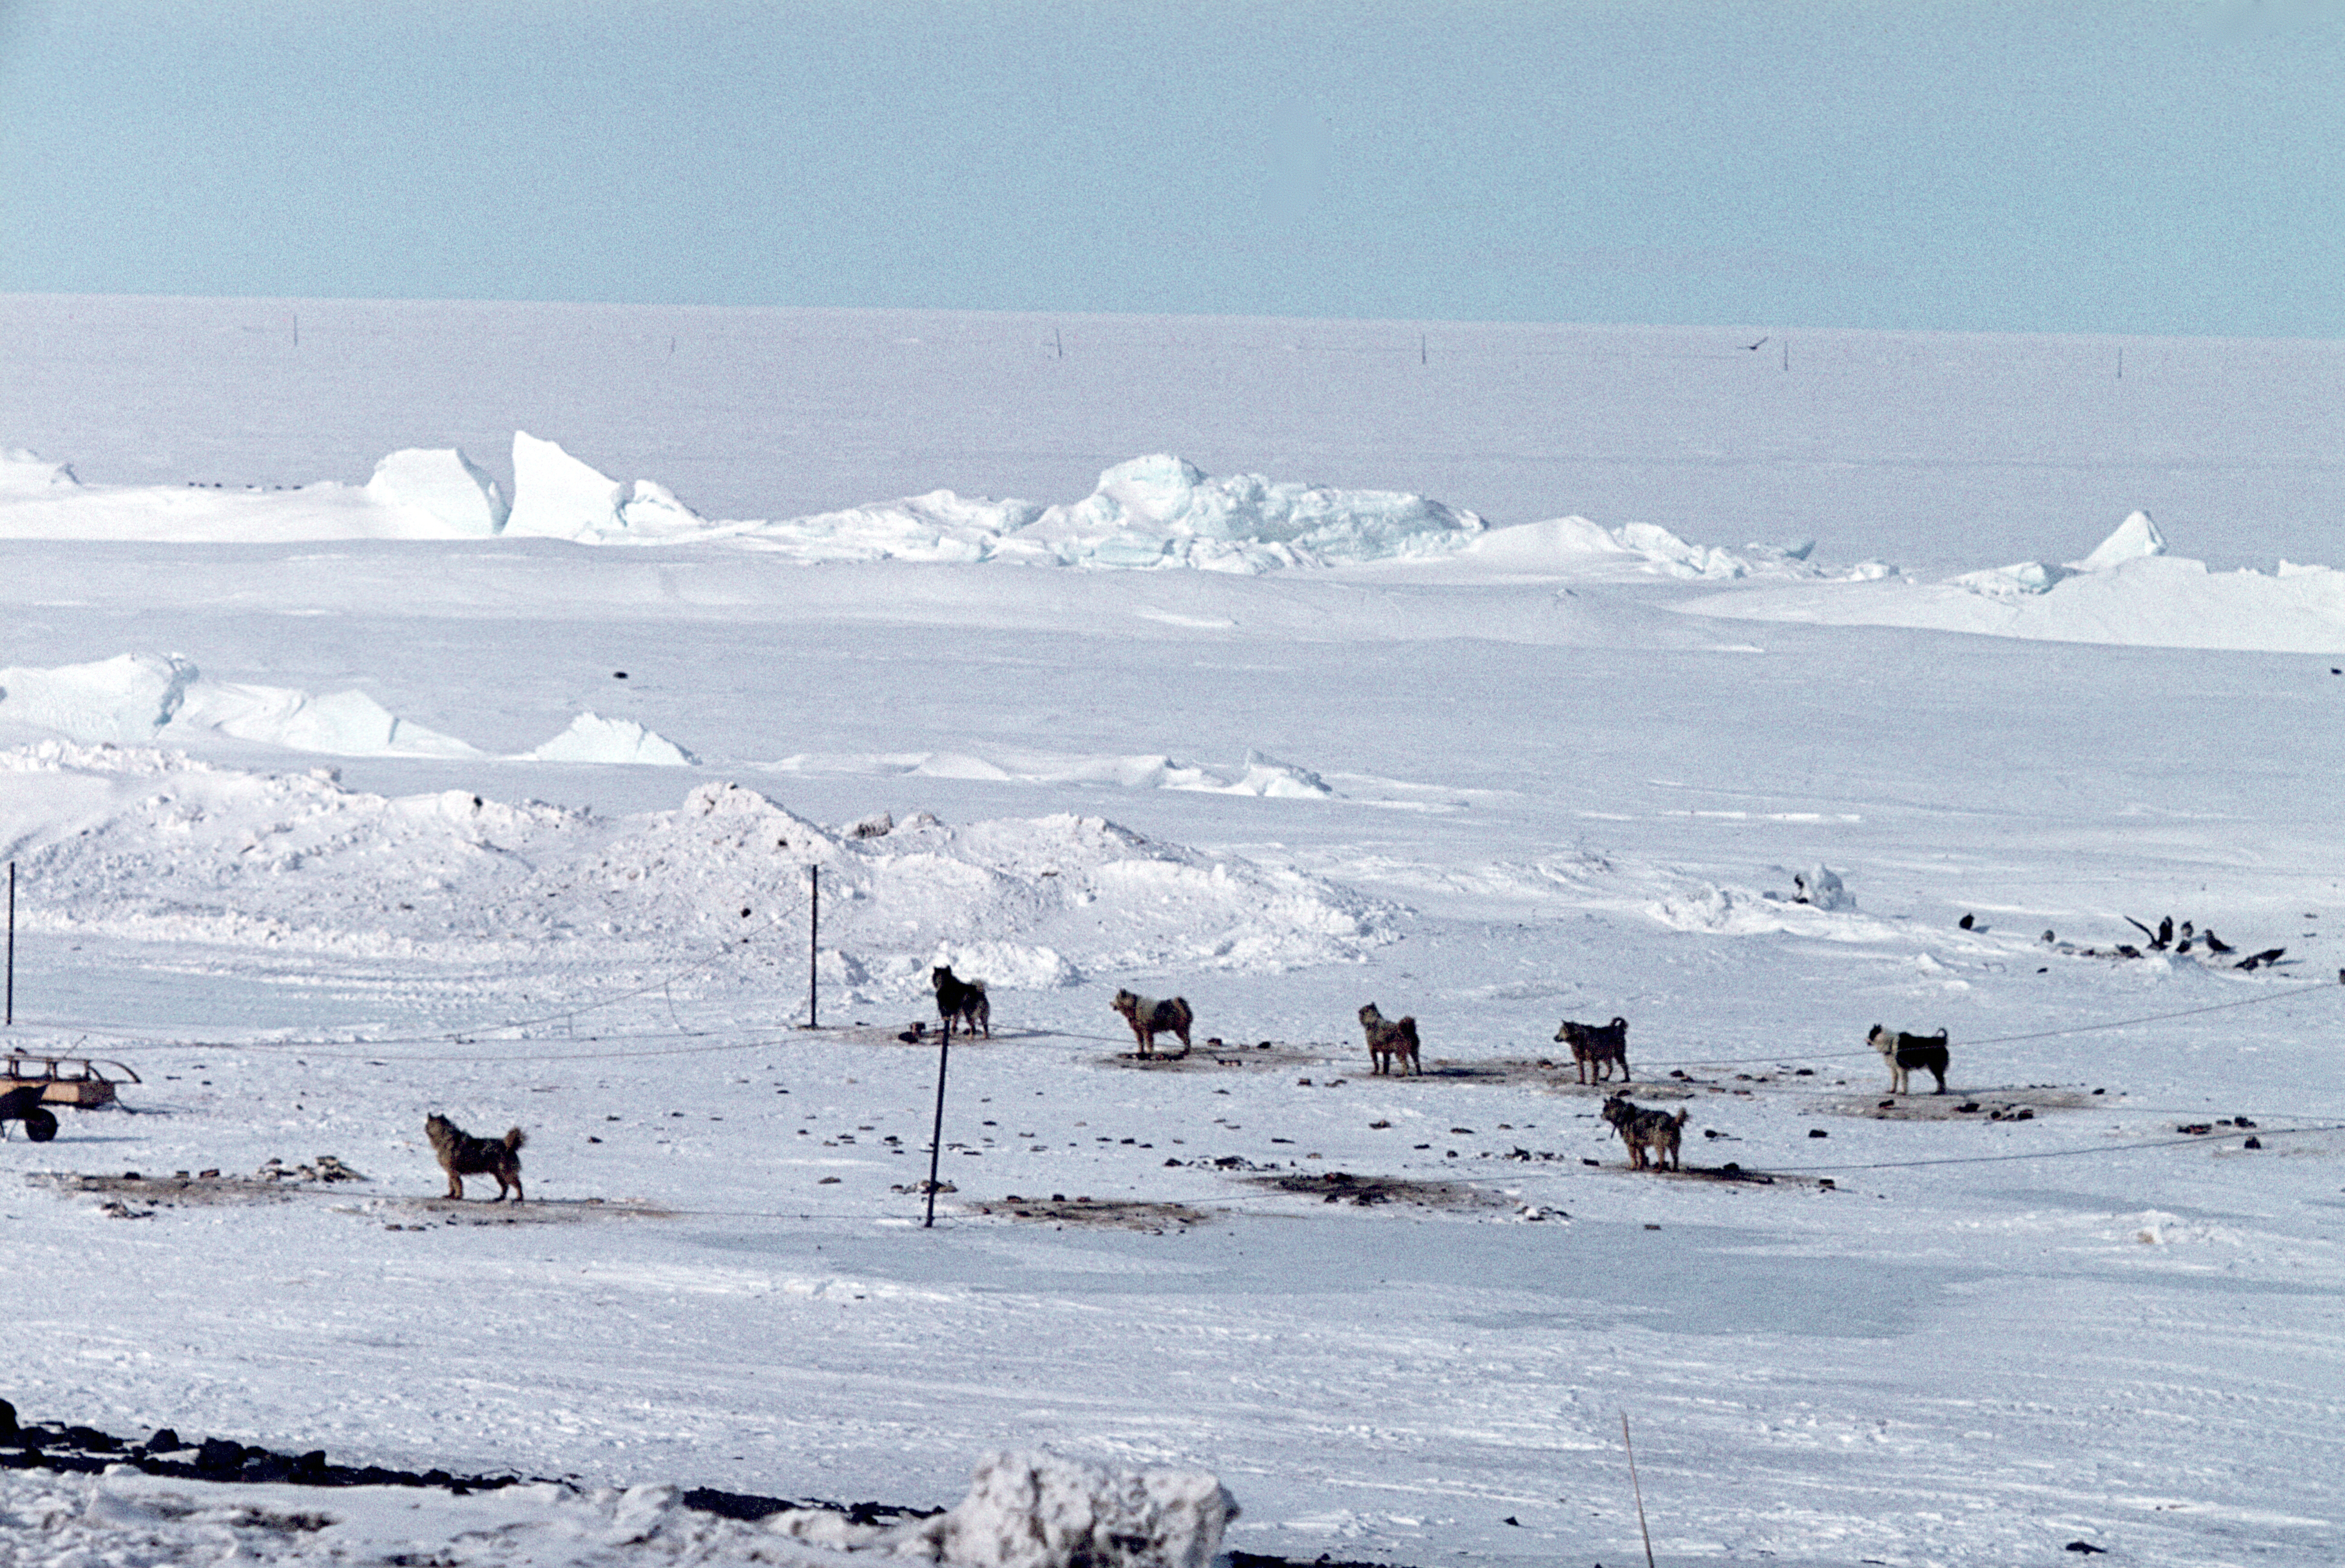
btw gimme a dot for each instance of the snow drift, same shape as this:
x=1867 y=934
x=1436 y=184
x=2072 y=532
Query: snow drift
x=138 y=697
x=1576 y=547
x=2127 y=590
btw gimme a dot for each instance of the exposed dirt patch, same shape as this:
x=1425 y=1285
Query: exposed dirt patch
x=1110 y=1214
x=142 y=1195
x=2023 y=1104
x=1204 y=1057
x=1368 y=1191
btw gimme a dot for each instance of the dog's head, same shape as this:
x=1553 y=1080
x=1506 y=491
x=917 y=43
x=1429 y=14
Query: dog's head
x=1881 y=1040
x=440 y=1130
x=1127 y=1003
x=1370 y=1016
x=1617 y=1110
x=1567 y=1033
x=939 y=976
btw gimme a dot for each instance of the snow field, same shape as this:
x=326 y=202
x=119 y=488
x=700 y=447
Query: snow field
x=1494 y=787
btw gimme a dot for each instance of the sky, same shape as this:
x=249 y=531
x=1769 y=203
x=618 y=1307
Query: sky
x=2118 y=167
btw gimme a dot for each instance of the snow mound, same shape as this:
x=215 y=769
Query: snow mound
x=444 y=485
x=1574 y=547
x=149 y=845
x=1039 y=1511
x=590 y=737
x=2126 y=591
x=940 y=527
x=137 y=698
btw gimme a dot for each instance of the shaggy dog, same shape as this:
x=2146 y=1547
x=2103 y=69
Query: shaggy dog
x=1149 y=1018
x=1648 y=1133
x=963 y=1000
x=1904 y=1053
x=1600 y=1044
x=1388 y=1039
x=462 y=1154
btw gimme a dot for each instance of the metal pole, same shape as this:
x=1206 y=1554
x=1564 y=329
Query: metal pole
x=814 y=940
x=12 y=944
x=936 y=1133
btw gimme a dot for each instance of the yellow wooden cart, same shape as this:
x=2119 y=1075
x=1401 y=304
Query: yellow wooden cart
x=77 y=1081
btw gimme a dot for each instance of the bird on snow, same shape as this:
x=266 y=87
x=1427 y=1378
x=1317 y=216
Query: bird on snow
x=2216 y=943
x=1965 y=922
x=2256 y=961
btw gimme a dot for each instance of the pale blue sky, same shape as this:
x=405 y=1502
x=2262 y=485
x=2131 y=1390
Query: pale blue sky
x=2098 y=167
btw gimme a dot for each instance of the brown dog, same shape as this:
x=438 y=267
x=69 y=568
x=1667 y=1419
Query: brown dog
x=462 y=1154
x=963 y=1000
x=1600 y=1044
x=1904 y=1053
x=1388 y=1041
x=1149 y=1018
x=1649 y=1134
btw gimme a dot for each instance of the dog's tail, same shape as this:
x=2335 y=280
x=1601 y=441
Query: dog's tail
x=515 y=1139
x=1683 y=1117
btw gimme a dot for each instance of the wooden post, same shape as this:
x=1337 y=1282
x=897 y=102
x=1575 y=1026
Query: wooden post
x=937 y=1133
x=1639 y=1491
x=12 y=944
x=814 y=938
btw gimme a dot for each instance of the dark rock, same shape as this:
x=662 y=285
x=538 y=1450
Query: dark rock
x=165 y=1441
x=266 y=1466
x=93 y=1441
x=218 y=1456
x=742 y=1505
x=1818 y=1132
x=2253 y=1143
x=2085 y=1546
x=7 y=1419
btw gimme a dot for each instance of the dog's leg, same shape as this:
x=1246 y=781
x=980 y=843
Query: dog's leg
x=455 y=1186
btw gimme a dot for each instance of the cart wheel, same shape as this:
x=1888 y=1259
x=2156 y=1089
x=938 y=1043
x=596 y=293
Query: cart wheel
x=40 y=1126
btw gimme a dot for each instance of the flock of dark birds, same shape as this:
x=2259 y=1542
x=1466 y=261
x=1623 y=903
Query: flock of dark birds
x=2168 y=937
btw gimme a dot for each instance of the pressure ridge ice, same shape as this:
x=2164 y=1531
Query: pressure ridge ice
x=1152 y=512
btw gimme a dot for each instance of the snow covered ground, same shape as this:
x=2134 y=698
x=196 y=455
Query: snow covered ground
x=334 y=807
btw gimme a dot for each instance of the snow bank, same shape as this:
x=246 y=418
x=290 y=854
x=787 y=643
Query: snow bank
x=149 y=845
x=2126 y=591
x=135 y=698
x=1039 y=1511
x=590 y=737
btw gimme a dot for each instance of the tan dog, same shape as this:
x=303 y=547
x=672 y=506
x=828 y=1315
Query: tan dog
x=1649 y=1134
x=462 y=1154
x=1388 y=1041
x=1904 y=1053
x=1149 y=1018
x=1600 y=1044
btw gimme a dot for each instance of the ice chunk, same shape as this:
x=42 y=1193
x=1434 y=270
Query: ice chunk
x=443 y=483
x=557 y=496
x=590 y=737
x=24 y=473
x=1822 y=887
x=1039 y=1511
x=2012 y=583
x=2135 y=538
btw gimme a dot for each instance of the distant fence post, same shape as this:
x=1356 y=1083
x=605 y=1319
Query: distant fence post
x=813 y=941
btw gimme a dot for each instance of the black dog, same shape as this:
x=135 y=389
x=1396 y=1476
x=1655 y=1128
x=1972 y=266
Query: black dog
x=963 y=1000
